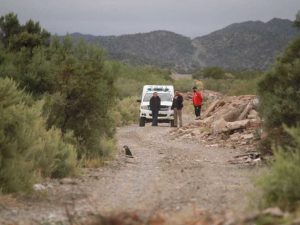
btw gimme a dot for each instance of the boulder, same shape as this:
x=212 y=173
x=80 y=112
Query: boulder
x=234 y=113
x=275 y=212
x=234 y=138
x=219 y=126
x=255 y=123
x=246 y=111
x=255 y=103
x=247 y=136
x=210 y=109
x=67 y=181
x=241 y=124
x=252 y=114
x=39 y=187
x=208 y=120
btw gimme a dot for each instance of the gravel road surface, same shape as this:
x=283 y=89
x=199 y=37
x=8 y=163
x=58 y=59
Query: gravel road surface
x=165 y=175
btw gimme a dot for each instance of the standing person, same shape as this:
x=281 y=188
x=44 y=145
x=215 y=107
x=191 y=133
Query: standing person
x=154 y=107
x=177 y=106
x=197 y=102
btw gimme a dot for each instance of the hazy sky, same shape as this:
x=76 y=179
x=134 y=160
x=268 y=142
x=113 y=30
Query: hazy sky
x=112 y=17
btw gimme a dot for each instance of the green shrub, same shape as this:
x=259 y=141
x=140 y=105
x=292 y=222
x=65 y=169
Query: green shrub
x=28 y=151
x=279 y=95
x=128 y=87
x=56 y=159
x=232 y=87
x=126 y=111
x=184 y=85
x=209 y=73
x=85 y=94
x=130 y=80
x=281 y=184
x=108 y=146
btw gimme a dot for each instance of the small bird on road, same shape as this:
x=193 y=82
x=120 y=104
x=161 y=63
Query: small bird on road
x=127 y=151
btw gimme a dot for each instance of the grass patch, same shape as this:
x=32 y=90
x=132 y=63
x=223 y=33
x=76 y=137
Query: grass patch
x=281 y=184
x=232 y=86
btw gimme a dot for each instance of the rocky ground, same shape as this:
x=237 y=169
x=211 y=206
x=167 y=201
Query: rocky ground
x=228 y=122
x=198 y=174
x=166 y=175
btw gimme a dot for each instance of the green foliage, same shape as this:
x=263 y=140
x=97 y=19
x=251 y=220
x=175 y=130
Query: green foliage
x=84 y=97
x=229 y=82
x=280 y=109
x=28 y=150
x=15 y=36
x=281 y=184
x=280 y=96
x=77 y=83
x=9 y=26
x=107 y=146
x=184 y=85
x=232 y=87
x=209 y=72
x=130 y=80
x=126 y=111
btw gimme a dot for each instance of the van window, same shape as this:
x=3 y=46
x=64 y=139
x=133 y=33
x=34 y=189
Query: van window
x=163 y=97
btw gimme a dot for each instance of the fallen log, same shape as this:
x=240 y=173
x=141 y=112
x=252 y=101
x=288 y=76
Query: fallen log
x=248 y=108
x=211 y=108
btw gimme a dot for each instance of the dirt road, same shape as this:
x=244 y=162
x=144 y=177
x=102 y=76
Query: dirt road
x=164 y=175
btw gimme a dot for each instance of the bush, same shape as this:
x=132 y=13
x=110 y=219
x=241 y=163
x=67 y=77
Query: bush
x=28 y=151
x=184 y=85
x=280 y=104
x=209 y=72
x=130 y=80
x=279 y=94
x=126 y=111
x=232 y=87
x=85 y=94
x=281 y=185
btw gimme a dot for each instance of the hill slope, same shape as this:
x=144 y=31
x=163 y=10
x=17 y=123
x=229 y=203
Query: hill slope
x=160 y=48
x=251 y=45
x=248 y=45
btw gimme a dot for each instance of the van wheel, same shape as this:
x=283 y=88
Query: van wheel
x=172 y=123
x=142 y=121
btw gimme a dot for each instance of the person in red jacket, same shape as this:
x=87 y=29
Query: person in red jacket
x=197 y=102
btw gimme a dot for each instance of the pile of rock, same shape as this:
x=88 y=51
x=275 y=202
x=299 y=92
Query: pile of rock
x=229 y=122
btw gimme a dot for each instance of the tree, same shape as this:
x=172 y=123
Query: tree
x=85 y=94
x=75 y=80
x=15 y=36
x=280 y=96
x=9 y=26
x=31 y=36
x=27 y=149
x=281 y=185
x=297 y=20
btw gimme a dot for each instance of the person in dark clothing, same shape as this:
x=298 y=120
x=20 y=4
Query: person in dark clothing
x=197 y=102
x=177 y=106
x=154 y=107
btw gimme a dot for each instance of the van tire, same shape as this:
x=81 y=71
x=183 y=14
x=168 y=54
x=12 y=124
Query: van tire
x=172 y=123
x=142 y=121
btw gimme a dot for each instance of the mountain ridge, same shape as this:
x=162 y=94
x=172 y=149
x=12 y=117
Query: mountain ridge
x=246 y=45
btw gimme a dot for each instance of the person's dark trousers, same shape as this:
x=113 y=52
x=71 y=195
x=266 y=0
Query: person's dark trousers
x=154 y=117
x=197 y=110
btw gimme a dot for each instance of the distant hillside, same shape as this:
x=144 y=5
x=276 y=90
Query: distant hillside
x=253 y=45
x=161 y=48
x=248 y=45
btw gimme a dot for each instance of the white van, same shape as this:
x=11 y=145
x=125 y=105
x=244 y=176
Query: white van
x=165 y=114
